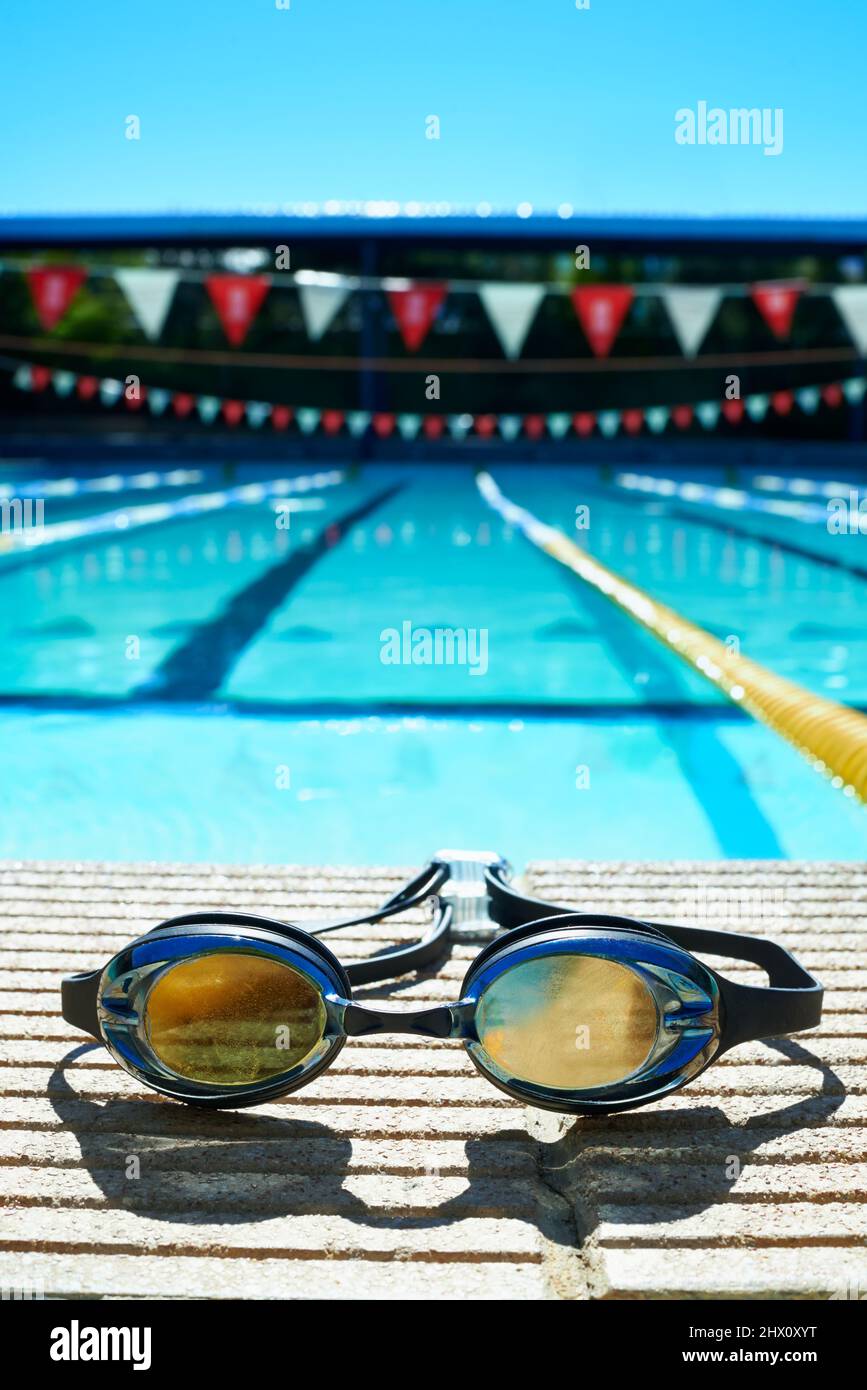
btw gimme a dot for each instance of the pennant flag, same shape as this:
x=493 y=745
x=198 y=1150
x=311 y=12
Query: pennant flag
x=657 y=418
x=691 y=309
x=534 y=426
x=233 y=412
x=319 y=306
x=486 y=425
x=357 y=422
x=281 y=417
x=158 y=400
x=409 y=425
x=511 y=310
x=384 y=423
x=434 y=425
x=53 y=288
x=601 y=310
x=633 y=420
x=609 y=422
x=851 y=304
x=63 y=382
x=182 y=403
x=136 y=400
x=460 y=426
x=307 y=419
x=22 y=379
x=87 y=387
x=415 y=310
x=237 y=300
x=682 y=416
x=757 y=406
x=708 y=413
x=584 y=422
x=149 y=294
x=110 y=391
x=257 y=413
x=782 y=402
x=40 y=378
x=332 y=421
x=808 y=399
x=853 y=389
x=558 y=424
x=510 y=426
x=733 y=411
x=832 y=395
x=209 y=408
x=776 y=304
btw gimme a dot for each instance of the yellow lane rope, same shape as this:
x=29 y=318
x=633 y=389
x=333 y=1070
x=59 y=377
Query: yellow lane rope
x=830 y=736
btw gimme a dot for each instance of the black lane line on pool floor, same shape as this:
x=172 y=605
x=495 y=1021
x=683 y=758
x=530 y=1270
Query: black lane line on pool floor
x=197 y=669
x=705 y=762
x=730 y=527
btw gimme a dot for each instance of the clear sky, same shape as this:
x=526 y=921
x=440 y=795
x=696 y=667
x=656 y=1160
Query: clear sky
x=243 y=104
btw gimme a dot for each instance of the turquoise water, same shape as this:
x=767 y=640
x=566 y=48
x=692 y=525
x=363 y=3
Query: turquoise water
x=213 y=687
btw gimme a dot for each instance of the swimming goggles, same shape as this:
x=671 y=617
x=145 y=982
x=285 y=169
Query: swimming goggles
x=578 y=1012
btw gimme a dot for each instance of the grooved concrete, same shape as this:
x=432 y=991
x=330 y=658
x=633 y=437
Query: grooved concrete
x=400 y=1173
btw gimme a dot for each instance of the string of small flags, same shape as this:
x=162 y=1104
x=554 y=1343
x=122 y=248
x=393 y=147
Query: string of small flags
x=310 y=420
x=511 y=307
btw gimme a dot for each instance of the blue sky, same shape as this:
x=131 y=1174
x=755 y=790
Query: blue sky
x=243 y=104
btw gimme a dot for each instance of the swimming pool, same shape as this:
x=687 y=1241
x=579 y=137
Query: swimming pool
x=256 y=678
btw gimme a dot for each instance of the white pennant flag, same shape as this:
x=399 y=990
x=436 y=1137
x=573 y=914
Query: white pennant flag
x=409 y=425
x=319 y=304
x=851 y=304
x=691 y=309
x=150 y=294
x=307 y=418
x=808 y=399
x=757 y=406
x=511 y=309
x=510 y=426
x=609 y=422
x=656 y=417
x=708 y=413
x=209 y=408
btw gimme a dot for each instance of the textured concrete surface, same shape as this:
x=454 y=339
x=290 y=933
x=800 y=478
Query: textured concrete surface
x=400 y=1173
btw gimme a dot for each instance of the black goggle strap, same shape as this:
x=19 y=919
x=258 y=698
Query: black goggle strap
x=79 y=993
x=400 y=960
x=790 y=1003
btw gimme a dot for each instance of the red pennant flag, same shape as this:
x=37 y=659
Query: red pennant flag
x=182 y=403
x=233 y=412
x=832 y=394
x=384 y=423
x=433 y=425
x=53 y=288
x=415 y=310
x=632 y=420
x=486 y=425
x=584 y=422
x=237 y=300
x=134 y=402
x=87 y=386
x=601 y=310
x=733 y=411
x=281 y=417
x=40 y=378
x=776 y=304
x=332 y=421
x=682 y=416
x=782 y=401
x=534 y=426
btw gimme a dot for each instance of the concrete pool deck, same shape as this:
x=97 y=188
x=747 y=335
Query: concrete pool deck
x=400 y=1173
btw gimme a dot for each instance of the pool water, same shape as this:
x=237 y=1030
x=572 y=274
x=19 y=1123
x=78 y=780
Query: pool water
x=212 y=686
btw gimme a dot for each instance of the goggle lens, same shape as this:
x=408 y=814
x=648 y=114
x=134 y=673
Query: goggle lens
x=232 y=1018
x=568 y=1022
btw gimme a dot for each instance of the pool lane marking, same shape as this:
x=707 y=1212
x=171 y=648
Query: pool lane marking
x=121 y=520
x=726 y=498
x=103 y=482
x=831 y=736
x=197 y=669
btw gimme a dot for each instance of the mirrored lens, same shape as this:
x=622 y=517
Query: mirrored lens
x=233 y=1018
x=570 y=1022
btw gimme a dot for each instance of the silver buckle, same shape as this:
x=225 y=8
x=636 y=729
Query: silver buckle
x=466 y=892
